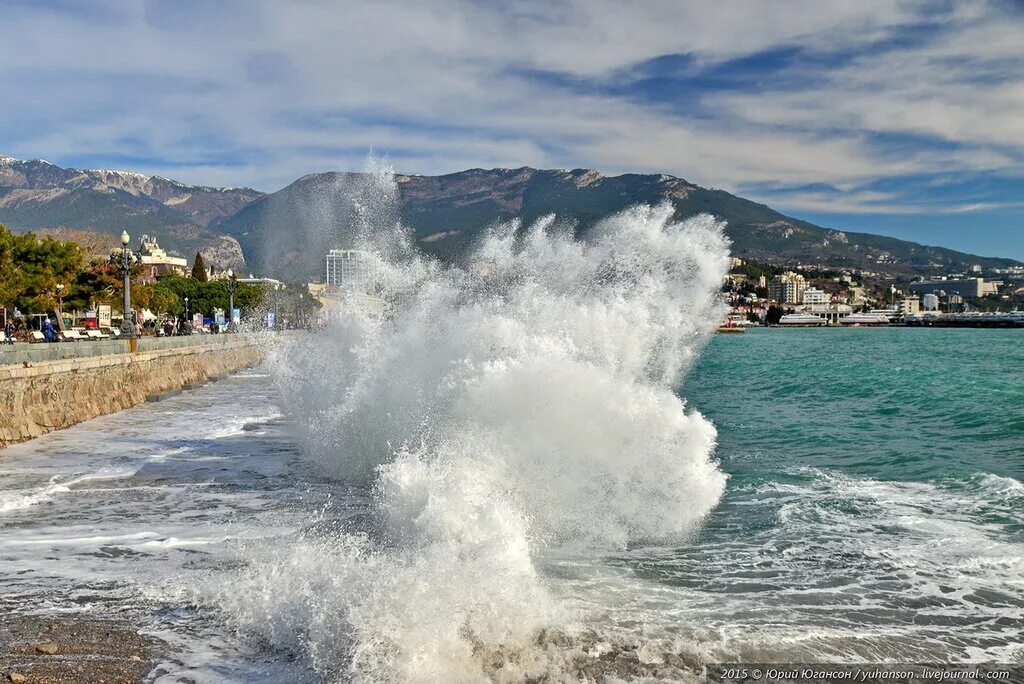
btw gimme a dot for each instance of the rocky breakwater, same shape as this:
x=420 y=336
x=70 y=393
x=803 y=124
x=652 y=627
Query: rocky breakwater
x=40 y=396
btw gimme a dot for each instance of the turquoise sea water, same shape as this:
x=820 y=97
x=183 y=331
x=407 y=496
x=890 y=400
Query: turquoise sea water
x=874 y=509
x=896 y=403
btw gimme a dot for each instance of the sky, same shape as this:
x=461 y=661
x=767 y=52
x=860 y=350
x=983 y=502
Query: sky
x=880 y=116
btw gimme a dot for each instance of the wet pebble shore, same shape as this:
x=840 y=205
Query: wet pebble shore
x=67 y=650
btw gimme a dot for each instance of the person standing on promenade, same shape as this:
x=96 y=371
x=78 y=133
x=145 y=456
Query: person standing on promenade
x=9 y=332
x=48 y=333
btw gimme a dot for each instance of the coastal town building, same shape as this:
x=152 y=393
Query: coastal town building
x=858 y=295
x=346 y=268
x=813 y=295
x=930 y=302
x=157 y=262
x=965 y=287
x=910 y=306
x=787 y=288
x=830 y=313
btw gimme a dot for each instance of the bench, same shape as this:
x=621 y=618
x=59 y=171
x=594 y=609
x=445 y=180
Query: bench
x=37 y=336
x=70 y=336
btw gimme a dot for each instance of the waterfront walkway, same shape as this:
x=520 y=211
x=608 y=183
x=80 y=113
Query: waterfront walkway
x=24 y=352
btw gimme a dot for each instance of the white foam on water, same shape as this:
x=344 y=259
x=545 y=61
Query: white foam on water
x=239 y=425
x=20 y=499
x=860 y=555
x=522 y=403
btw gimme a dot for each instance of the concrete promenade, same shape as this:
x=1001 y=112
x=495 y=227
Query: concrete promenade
x=25 y=352
x=46 y=387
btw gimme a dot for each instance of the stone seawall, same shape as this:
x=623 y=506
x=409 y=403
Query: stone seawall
x=39 y=397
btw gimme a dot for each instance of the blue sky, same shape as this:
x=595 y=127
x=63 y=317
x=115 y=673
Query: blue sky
x=900 y=118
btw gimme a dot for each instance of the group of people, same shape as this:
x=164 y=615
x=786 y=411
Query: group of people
x=182 y=326
x=15 y=328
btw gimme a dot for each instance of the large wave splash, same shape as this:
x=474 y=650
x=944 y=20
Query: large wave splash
x=521 y=401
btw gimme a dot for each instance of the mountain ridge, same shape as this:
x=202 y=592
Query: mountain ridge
x=286 y=232
x=36 y=194
x=447 y=212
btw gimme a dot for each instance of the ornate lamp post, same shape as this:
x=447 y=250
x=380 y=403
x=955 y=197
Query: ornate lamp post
x=277 y=287
x=125 y=260
x=186 y=308
x=60 y=304
x=232 y=284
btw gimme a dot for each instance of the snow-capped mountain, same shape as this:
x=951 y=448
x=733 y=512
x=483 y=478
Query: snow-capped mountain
x=38 y=179
x=36 y=194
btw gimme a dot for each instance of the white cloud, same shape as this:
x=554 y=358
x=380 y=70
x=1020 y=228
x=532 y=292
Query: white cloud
x=212 y=93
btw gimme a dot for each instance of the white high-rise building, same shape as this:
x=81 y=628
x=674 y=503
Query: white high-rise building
x=347 y=268
x=787 y=288
x=813 y=295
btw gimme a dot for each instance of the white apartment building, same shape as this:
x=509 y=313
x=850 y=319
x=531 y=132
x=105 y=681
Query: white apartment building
x=787 y=288
x=813 y=295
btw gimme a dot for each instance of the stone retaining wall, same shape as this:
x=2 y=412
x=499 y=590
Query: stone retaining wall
x=39 y=397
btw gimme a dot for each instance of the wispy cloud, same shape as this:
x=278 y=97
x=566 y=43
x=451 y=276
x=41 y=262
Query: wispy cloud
x=752 y=97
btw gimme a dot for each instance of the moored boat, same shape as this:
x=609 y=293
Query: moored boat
x=801 y=319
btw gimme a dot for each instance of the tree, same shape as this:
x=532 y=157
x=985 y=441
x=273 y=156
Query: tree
x=199 y=269
x=31 y=269
x=203 y=297
x=773 y=315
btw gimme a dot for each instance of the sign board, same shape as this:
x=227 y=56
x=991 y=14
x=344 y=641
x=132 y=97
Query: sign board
x=103 y=315
x=271 y=320
x=197 y=320
x=236 y=316
x=218 y=316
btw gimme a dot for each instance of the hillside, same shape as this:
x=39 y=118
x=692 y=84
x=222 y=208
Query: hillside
x=287 y=232
x=37 y=195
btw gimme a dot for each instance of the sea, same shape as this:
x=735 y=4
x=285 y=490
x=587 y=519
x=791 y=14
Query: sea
x=874 y=512
x=544 y=465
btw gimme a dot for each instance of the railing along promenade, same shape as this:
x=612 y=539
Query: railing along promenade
x=21 y=353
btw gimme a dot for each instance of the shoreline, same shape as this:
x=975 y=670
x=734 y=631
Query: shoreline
x=72 y=649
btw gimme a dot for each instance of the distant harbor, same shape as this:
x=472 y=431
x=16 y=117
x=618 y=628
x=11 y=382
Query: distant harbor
x=879 y=318
x=815 y=297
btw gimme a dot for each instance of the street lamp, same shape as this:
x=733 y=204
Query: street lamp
x=277 y=286
x=60 y=304
x=232 y=284
x=186 y=308
x=125 y=261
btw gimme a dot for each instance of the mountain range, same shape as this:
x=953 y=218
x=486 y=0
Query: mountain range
x=286 y=233
x=36 y=194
